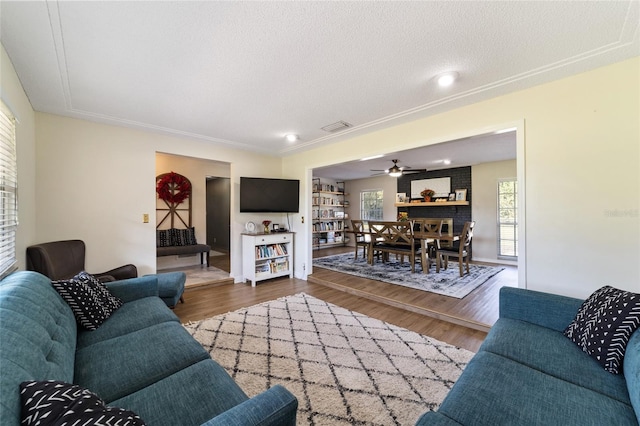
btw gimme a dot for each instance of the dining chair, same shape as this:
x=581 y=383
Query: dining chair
x=360 y=229
x=460 y=249
x=432 y=226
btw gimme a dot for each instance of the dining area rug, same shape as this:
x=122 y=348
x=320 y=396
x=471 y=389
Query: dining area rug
x=446 y=282
x=344 y=367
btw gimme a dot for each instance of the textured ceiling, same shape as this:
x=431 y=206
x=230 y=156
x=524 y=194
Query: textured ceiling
x=244 y=74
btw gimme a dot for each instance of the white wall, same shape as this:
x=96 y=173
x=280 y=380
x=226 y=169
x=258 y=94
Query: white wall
x=484 y=207
x=95 y=181
x=580 y=159
x=196 y=170
x=356 y=186
x=14 y=97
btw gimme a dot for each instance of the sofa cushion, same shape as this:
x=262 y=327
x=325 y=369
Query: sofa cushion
x=494 y=390
x=56 y=403
x=631 y=371
x=132 y=316
x=550 y=352
x=603 y=325
x=38 y=339
x=91 y=302
x=207 y=386
x=144 y=356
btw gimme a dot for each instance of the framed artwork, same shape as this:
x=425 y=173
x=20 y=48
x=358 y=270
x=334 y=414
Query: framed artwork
x=461 y=195
x=401 y=197
x=452 y=196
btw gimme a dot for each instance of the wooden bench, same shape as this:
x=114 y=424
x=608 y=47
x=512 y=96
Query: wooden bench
x=396 y=238
x=185 y=250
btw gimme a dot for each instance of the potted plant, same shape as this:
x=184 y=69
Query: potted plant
x=427 y=194
x=403 y=216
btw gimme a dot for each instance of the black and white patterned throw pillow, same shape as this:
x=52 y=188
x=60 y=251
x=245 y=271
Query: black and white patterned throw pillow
x=184 y=237
x=91 y=302
x=603 y=325
x=164 y=238
x=57 y=403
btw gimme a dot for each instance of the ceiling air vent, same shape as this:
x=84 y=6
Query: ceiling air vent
x=336 y=127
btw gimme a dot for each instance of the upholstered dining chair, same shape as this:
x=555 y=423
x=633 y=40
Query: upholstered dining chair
x=460 y=249
x=60 y=260
x=361 y=235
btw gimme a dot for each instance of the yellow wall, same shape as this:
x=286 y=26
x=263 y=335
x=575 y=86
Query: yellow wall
x=580 y=166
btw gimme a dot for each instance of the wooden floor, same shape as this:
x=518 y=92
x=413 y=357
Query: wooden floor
x=478 y=310
x=204 y=302
x=460 y=322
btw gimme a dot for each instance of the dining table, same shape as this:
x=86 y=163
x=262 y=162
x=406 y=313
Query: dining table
x=432 y=237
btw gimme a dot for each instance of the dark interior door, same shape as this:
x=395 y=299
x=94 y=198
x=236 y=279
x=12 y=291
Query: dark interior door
x=218 y=216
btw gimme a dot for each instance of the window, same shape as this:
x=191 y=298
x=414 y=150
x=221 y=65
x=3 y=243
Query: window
x=371 y=205
x=8 y=191
x=508 y=219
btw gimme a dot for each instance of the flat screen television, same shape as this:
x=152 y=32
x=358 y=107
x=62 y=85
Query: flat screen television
x=264 y=195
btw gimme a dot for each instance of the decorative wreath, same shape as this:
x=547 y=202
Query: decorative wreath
x=173 y=188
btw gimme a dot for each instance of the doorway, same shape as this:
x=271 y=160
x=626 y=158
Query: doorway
x=218 y=213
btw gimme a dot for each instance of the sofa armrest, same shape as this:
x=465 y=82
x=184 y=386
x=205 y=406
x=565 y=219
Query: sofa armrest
x=274 y=407
x=545 y=309
x=134 y=288
x=122 y=273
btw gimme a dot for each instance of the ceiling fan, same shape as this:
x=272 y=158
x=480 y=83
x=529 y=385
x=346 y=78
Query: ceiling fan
x=395 y=171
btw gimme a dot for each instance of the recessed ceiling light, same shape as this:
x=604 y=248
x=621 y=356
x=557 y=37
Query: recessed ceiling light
x=291 y=137
x=447 y=78
x=446 y=162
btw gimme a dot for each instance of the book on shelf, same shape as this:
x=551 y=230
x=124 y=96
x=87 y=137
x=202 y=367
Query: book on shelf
x=272 y=250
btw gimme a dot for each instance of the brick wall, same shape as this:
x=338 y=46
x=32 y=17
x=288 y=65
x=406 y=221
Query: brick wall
x=460 y=179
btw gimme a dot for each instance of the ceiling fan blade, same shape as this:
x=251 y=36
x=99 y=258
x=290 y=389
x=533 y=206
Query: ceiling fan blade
x=411 y=171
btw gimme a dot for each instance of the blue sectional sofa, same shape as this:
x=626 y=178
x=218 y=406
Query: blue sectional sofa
x=528 y=373
x=141 y=359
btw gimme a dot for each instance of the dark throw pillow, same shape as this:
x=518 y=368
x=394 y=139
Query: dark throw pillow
x=164 y=238
x=184 y=237
x=58 y=403
x=603 y=325
x=89 y=299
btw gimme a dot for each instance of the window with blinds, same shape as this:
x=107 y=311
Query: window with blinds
x=8 y=191
x=508 y=219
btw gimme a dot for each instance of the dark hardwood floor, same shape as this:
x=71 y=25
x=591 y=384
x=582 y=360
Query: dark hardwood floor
x=478 y=310
x=460 y=322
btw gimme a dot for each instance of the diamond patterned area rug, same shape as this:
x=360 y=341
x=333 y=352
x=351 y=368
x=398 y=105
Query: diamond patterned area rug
x=446 y=282
x=345 y=368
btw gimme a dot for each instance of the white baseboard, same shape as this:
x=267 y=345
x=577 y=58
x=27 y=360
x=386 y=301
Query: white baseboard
x=496 y=261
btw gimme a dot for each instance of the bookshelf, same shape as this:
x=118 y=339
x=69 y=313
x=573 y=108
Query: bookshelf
x=329 y=218
x=266 y=256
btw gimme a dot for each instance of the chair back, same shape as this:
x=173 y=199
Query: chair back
x=392 y=233
x=432 y=226
x=57 y=260
x=360 y=229
x=467 y=234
